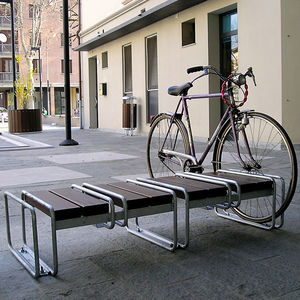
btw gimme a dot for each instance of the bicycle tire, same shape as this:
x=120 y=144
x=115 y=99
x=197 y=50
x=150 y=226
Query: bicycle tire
x=177 y=140
x=272 y=148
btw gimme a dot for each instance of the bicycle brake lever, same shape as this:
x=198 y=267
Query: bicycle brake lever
x=253 y=77
x=250 y=74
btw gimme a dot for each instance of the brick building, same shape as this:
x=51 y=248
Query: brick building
x=52 y=62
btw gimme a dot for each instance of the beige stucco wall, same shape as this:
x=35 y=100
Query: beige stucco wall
x=262 y=27
x=290 y=67
x=259 y=46
x=113 y=13
x=95 y=10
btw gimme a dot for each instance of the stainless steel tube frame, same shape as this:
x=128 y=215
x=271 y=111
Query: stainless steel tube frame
x=150 y=236
x=272 y=178
x=111 y=194
x=28 y=258
x=187 y=208
x=210 y=179
x=102 y=197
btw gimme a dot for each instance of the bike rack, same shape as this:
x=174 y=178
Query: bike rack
x=113 y=204
x=231 y=216
x=105 y=215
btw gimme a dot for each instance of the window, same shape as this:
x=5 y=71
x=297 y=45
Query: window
x=104 y=60
x=127 y=70
x=229 y=42
x=39 y=42
x=6 y=65
x=60 y=101
x=6 y=69
x=152 y=76
x=188 y=32
x=62 y=41
x=229 y=50
x=62 y=66
x=30 y=11
x=61 y=12
x=36 y=65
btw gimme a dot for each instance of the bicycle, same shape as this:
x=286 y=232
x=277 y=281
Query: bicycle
x=247 y=140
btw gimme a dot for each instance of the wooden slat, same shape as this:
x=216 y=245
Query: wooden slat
x=196 y=189
x=247 y=184
x=63 y=209
x=140 y=190
x=136 y=196
x=90 y=205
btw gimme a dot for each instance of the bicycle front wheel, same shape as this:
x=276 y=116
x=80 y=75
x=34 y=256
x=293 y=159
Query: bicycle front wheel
x=272 y=150
x=164 y=135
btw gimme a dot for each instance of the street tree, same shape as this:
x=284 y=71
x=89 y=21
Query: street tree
x=40 y=11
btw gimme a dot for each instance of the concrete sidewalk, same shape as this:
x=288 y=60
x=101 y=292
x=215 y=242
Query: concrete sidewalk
x=225 y=260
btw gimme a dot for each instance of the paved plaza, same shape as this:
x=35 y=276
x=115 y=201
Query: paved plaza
x=225 y=260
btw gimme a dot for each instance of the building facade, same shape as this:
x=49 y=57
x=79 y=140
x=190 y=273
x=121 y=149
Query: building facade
x=6 y=74
x=50 y=69
x=141 y=47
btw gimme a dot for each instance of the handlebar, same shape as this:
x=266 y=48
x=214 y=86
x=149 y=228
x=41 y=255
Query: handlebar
x=238 y=79
x=195 y=69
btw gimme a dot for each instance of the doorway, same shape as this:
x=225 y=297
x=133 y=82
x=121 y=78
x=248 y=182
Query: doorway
x=93 y=94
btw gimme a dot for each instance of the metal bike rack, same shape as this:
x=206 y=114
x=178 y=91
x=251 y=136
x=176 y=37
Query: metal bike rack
x=110 y=204
x=231 y=216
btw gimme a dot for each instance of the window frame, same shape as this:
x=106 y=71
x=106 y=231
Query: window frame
x=36 y=65
x=62 y=66
x=30 y=11
x=151 y=91
x=104 y=60
x=124 y=70
x=185 y=38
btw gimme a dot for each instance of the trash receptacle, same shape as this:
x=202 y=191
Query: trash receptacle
x=129 y=122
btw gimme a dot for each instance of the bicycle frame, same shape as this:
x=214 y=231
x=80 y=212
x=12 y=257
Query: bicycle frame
x=229 y=113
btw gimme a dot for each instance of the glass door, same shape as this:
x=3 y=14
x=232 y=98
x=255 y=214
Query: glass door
x=229 y=45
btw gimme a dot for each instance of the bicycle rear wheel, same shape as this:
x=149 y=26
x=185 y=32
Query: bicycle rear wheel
x=271 y=148
x=163 y=136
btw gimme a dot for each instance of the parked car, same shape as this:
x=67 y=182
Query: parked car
x=3 y=114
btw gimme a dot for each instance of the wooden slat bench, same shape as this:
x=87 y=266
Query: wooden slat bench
x=198 y=190
x=115 y=203
x=79 y=206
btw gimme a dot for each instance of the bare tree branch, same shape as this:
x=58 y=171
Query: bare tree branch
x=41 y=11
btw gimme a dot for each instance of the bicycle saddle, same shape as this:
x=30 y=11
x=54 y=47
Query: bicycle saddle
x=179 y=90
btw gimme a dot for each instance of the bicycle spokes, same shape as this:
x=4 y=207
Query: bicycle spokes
x=264 y=148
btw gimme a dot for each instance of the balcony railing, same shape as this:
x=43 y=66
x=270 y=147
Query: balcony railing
x=5 y=20
x=6 y=77
x=6 y=48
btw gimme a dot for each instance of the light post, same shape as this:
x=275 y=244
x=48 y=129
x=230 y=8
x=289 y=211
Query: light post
x=40 y=75
x=68 y=141
x=12 y=16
